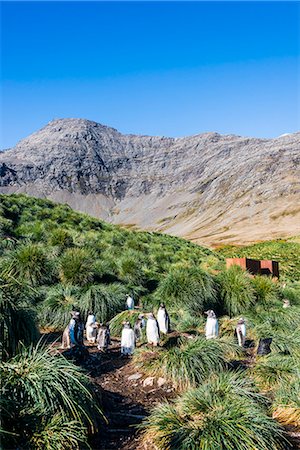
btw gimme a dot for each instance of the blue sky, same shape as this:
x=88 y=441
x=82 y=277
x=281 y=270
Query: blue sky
x=173 y=68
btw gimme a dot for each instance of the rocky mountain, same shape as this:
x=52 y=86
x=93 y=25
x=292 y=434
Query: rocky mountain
x=209 y=188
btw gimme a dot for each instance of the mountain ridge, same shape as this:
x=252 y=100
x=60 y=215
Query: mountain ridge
x=209 y=188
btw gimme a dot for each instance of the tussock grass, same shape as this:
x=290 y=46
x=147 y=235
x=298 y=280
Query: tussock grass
x=188 y=363
x=282 y=325
x=274 y=369
x=225 y=413
x=286 y=393
x=266 y=291
x=227 y=326
x=286 y=406
x=37 y=387
x=188 y=287
x=292 y=293
x=116 y=323
x=60 y=300
x=104 y=300
x=17 y=316
x=236 y=291
x=287 y=415
x=59 y=434
x=76 y=266
x=184 y=321
x=29 y=264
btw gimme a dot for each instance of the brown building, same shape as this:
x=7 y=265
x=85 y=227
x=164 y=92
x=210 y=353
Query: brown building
x=255 y=266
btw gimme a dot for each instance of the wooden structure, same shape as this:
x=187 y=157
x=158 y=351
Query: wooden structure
x=255 y=266
x=269 y=267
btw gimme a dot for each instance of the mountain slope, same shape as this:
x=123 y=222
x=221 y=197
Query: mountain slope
x=208 y=188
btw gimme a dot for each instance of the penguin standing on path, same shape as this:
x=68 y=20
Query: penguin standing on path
x=241 y=331
x=129 y=302
x=90 y=328
x=152 y=330
x=163 y=319
x=103 y=338
x=211 y=327
x=127 y=340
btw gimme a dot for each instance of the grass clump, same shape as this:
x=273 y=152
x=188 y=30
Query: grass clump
x=292 y=293
x=188 y=286
x=187 y=363
x=18 y=324
x=225 y=413
x=103 y=300
x=274 y=369
x=265 y=290
x=116 y=323
x=286 y=405
x=40 y=391
x=236 y=292
x=60 y=299
x=30 y=264
x=76 y=266
x=57 y=433
x=184 y=321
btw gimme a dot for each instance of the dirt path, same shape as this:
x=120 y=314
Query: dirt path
x=128 y=397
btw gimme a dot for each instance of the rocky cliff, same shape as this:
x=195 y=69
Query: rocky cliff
x=209 y=188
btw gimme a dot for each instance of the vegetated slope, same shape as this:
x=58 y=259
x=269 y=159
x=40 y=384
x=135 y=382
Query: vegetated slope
x=71 y=259
x=208 y=188
x=53 y=259
x=285 y=251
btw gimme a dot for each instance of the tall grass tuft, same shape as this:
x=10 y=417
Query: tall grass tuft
x=236 y=291
x=189 y=287
x=116 y=323
x=60 y=300
x=36 y=384
x=104 y=300
x=265 y=290
x=274 y=369
x=184 y=321
x=280 y=324
x=225 y=413
x=186 y=364
x=30 y=264
x=286 y=405
x=17 y=316
x=292 y=293
x=57 y=433
x=76 y=266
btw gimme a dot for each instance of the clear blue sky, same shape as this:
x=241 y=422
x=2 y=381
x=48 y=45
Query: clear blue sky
x=156 y=68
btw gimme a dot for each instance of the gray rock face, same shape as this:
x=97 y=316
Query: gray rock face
x=208 y=187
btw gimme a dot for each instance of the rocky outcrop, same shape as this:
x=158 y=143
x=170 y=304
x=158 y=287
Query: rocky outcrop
x=208 y=188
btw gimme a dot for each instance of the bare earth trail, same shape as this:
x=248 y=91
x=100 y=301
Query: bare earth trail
x=126 y=400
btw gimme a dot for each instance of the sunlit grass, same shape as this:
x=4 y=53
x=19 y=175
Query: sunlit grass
x=236 y=291
x=188 y=362
x=225 y=412
x=37 y=386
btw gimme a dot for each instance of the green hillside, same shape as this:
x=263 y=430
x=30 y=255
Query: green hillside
x=53 y=260
x=71 y=259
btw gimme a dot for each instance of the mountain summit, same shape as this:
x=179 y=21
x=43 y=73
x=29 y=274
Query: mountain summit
x=209 y=188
